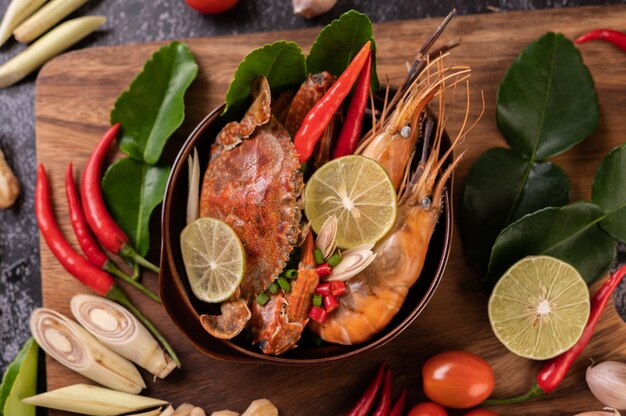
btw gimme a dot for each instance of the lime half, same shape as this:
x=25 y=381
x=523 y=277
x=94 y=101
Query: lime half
x=356 y=190
x=214 y=259
x=539 y=308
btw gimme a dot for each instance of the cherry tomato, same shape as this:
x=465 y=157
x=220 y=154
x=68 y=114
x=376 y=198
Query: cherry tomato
x=481 y=412
x=211 y=6
x=457 y=379
x=427 y=409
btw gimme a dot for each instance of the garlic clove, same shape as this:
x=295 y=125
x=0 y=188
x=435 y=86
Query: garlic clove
x=614 y=412
x=312 y=8
x=326 y=239
x=607 y=382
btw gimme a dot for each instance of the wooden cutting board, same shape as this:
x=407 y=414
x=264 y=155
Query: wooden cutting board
x=76 y=91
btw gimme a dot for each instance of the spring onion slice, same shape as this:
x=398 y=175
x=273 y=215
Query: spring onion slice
x=69 y=344
x=119 y=330
x=93 y=400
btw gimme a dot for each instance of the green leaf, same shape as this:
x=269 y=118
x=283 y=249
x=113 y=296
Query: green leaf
x=609 y=192
x=132 y=190
x=282 y=63
x=547 y=101
x=20 y=381
x=339 y=42
x=569 y=233
x=153 y=106
x=502 y=187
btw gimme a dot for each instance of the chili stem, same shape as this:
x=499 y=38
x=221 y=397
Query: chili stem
x=535 y=391
x=117 y=295
x=129 y=252
x=115 y=271
x=136 y=271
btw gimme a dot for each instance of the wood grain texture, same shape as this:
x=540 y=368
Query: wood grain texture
x=75 y=93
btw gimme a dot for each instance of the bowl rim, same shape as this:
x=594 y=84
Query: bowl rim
x=244 y=355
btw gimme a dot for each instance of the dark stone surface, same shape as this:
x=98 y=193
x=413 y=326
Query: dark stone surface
x=141 y=21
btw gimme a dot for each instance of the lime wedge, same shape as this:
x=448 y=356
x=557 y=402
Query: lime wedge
x=539 y=308
x=214 y=259
x=356 y=190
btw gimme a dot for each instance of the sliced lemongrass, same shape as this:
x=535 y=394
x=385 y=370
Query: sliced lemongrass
x=45 y=18
x=50 y=45
x=352 y=262
x=93 y=400
x=326 y=239
x=71 y=345
x=16 y=13
x=193 y=197
x=118 y=329
x=261 y=407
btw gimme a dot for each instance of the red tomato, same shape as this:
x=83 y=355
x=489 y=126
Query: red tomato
x=481 y=412
x=211 y=6
x=427 y=409
x=457 y=379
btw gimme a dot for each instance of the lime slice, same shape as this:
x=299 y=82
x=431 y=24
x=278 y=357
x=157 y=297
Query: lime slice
x=356 y=190
x=214 y=259
x=539 y=308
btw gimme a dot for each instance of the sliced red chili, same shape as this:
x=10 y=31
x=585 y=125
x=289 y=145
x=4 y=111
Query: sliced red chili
x=323 y=289
x=337 y=288
x=330 y=303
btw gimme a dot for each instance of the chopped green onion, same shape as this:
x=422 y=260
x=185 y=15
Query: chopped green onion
x=291 y=274
x=318 y=256
x=273 y=289
x=262 y=298
x=317 y=300
x=284 y=284
x=334 y=259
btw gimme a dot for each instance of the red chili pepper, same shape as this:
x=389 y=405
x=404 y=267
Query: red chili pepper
x=88 y=243
x=363 y=406
x=337 y=288
x=319 y=116
x=330 y=303
x=398 y=406
x=323 y=269
x=554 y=371
x=318 y=314
x=612 y=36
x=351 y=129
x=104 y=227
x=385 y=397
x=324 y=289
x=78 y=266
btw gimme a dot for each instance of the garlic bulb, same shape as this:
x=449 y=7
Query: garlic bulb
x=600 y=413
x=119 y=330
x=69 y=344
x=607 y=382
x=312 y=8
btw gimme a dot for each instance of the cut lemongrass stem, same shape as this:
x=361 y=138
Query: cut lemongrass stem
x=117 y=272
x=45 y=19
x=93 y=400
x=193 y=197
x=117 y=295
x=72 y=346
x=130 y=253
x=16 y=13
x=155 y=412
x=50 y=45
x=115 y=327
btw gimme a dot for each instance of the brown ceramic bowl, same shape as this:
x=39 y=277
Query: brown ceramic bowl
x=185 y=310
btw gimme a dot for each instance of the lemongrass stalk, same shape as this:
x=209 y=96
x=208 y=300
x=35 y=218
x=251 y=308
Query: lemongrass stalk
x=169 y=411
x=155 y=412
x=224 y=413
x=45 y=19
x=183 y=410
x=118 y=329
x=50 y=45
x=93 y=400
x=193 y=198
x=71 y=345
x=16 y=13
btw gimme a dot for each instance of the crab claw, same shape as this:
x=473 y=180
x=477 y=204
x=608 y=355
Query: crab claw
x=235 y=315
x=272 y=328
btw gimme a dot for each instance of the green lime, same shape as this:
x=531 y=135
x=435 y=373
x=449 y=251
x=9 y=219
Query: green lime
x=358 y=191
x=539 y=308
x=214 y=259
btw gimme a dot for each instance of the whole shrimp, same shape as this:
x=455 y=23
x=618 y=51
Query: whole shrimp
x=375 y=295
